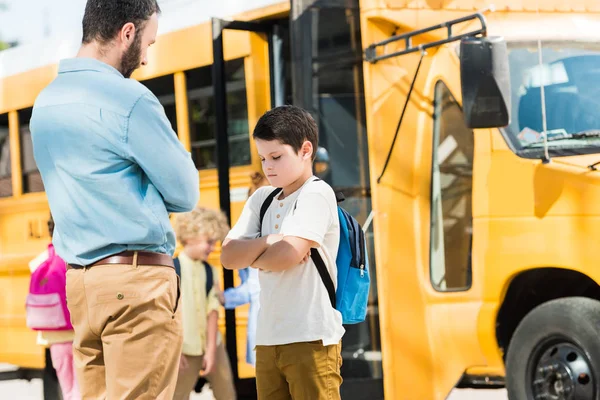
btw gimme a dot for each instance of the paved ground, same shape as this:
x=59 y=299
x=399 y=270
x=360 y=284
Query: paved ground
x=23 y=390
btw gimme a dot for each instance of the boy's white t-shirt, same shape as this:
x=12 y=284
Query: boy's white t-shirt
x=294 y=304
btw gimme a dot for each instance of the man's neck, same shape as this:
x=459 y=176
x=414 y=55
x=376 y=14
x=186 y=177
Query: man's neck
x=105 y=54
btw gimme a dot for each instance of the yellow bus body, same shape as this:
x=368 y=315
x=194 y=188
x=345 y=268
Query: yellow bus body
x=526 y=215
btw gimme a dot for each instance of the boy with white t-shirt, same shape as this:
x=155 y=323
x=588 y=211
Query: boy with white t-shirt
x=299 y=333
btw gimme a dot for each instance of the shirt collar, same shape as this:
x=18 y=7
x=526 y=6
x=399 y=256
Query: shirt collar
x=187 y=258
x=86 y=64
x=294 y=196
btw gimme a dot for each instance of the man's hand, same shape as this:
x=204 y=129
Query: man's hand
x=208 y=363
x=183 y=363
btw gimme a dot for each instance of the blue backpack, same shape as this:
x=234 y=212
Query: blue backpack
x=352 y=295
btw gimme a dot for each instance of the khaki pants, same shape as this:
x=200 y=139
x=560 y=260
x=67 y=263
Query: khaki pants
x=298 y=371
x=128 y=333
x=220 y=379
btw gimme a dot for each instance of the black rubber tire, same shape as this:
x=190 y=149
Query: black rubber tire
x=574 y=319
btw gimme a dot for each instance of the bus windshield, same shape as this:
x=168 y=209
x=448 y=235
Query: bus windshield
x=570 y=76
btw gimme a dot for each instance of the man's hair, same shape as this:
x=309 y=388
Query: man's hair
x=290 y=125
x=104 y=18
x=201 y=221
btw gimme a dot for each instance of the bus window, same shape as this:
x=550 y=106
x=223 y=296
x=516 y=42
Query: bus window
x=202 y=115
x=32 y=180
x=451 y=197
x=163 y=88
x=5 y=170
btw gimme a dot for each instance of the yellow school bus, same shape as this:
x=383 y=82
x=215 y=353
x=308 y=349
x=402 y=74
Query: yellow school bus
x=481 y=241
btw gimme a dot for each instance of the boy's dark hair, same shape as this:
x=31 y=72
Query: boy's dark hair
x=104 y=18
x=290 y=125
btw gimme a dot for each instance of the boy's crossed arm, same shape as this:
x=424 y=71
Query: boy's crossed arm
x=305 y=229
x=270 y=253
x=285 y=254
x=240 y=253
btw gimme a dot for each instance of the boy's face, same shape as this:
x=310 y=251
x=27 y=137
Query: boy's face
x=199 y=248
x=281 y=164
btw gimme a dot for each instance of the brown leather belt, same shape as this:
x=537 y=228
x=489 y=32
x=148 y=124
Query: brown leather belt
x=127 y=258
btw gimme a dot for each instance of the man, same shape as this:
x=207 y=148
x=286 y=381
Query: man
x=113 y=170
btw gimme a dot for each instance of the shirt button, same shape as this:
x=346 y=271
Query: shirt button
x=280 y=204
x=120 y=296
x=276 y=226
x=278 y=215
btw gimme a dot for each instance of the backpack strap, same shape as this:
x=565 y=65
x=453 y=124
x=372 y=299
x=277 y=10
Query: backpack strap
x=320 y=264
x=177 y=265
x=265 y=206
x=296 y=202
x=325 y=277
x=209 y=277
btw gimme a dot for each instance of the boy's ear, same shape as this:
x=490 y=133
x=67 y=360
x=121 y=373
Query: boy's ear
x=307 y=150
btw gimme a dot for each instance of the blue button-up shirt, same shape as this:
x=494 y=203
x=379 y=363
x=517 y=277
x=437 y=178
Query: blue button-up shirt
x=112 y=166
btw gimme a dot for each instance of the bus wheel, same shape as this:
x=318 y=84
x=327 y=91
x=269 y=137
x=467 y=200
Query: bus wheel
x=555 y=352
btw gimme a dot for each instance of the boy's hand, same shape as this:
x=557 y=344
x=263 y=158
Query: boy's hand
x=183 y=363
x=274 y=238
x=306 y=257
x=208 y=363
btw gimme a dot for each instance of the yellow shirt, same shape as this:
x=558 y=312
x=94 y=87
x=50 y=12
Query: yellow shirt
x=48 y=338
x=195 y=305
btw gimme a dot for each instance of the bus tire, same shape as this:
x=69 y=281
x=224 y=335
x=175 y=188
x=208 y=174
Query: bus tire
x=555 y=352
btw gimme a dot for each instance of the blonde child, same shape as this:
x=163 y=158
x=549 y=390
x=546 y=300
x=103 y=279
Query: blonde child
x=203 y=351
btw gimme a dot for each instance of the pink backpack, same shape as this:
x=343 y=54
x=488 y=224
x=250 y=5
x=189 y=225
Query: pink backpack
x=46 y=304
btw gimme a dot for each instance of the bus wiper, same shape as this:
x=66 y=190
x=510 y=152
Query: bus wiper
x=592 y=133
x=586 y=134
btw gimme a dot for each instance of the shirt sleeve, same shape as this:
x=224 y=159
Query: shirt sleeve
x=154 y=146
x=311 y=219
x=212 y=301
x=248 y=224
x=237 y=296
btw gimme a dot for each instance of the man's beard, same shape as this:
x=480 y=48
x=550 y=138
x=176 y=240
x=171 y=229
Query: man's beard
x=131 y=58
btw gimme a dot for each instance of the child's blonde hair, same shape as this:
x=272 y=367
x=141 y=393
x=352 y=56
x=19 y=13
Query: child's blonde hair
x=201 y=221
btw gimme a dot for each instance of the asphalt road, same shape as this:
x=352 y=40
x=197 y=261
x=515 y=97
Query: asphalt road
x=23 y=390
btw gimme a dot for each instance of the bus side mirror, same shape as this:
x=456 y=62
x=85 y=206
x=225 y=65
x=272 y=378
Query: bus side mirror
x=485 y=82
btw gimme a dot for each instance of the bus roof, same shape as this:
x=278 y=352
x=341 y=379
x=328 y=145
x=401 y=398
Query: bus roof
x=558 y=6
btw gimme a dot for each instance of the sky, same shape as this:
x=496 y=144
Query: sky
x=30 y=21
x=27 y=21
